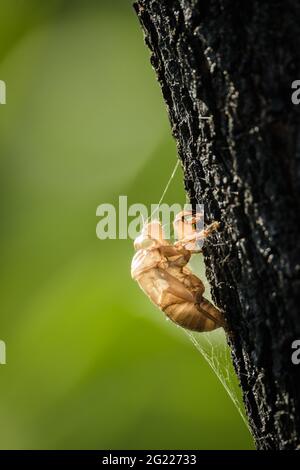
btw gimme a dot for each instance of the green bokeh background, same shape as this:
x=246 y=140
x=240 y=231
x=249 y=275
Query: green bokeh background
x=90 y=362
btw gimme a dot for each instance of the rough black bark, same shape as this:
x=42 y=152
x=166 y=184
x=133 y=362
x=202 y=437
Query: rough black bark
x=225 y=68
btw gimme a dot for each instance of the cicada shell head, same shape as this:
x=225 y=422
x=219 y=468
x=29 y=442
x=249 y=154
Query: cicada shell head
x=152 y=235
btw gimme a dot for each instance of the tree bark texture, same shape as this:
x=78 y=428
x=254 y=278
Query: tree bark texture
x=225 y=68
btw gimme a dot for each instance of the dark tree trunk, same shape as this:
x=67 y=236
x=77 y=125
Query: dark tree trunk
x=226 y=68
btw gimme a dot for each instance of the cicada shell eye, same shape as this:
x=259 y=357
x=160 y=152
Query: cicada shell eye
x=143 y=242
x=152 y=235
x=148 y=243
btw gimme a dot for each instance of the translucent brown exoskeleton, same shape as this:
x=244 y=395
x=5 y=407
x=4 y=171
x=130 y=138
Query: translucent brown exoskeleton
x=160 y=268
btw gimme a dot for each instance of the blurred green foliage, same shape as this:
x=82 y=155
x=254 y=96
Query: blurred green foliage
x=90 y=362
